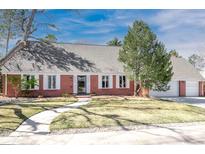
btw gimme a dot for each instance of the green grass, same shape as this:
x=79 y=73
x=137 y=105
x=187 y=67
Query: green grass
x=105 y=112
x=12 y=115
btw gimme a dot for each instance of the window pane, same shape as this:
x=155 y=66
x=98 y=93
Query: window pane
x=124 y=81
x=120 y=82
x=107 y=81
x=49 y=82
x=32 y=83
x=54 y=82
x=27 y=82
x=103 y=84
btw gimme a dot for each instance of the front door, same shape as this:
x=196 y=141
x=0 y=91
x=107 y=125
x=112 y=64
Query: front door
x=81 y=84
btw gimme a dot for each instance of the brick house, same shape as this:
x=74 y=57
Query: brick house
x=85 y=69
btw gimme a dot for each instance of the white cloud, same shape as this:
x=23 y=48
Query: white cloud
x=170 y=19
x=182 y=30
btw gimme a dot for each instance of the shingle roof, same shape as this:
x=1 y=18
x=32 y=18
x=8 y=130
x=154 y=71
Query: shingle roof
x=68 y=58
x=184 y=70
x=65 y=58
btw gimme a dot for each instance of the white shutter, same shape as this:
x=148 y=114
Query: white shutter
x=110 y=81
x=99 y=82
x=75 y=84
x=45 y=82
x=22 y=79
x=88 y=84
x=117 y=81
x=37 y=79
x=58 y=82
x=127 y=82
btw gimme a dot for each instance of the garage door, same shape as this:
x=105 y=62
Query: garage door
x=192 y=88
x=173 y=91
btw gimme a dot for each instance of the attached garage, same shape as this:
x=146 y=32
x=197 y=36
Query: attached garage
x=192 y=88
x=173 y=91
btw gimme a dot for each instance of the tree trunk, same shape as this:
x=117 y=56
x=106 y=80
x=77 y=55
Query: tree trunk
x=8 y=36
x=137 y=88
x=7 y=40
x=29 y=25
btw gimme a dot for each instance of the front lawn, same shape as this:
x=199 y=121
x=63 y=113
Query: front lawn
x=119 y=111
x=13 y=114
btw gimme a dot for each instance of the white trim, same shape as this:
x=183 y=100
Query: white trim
x=75 y=84
x=99 y=81
x=127 y=82
x=87 y=84
x=117 y=81
x=36 y=77
x=58 y=82
x=110 y=81
x=45 y=82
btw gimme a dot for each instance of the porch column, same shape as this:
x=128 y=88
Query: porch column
x=74 y=84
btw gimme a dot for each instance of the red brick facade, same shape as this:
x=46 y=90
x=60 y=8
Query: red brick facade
x=182 y=88
x=66 y=86
x=110 y=91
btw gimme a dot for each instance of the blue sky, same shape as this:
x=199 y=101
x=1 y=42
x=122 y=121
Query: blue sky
x=183 y=30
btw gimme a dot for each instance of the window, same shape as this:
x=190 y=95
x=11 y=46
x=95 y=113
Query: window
x=27 y=82
x=105 y=81
x=122 y=81
x=51 y=82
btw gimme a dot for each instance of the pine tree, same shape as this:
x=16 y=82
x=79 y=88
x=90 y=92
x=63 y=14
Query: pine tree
x=10 y=26
x=145 y=58
x=114 y=42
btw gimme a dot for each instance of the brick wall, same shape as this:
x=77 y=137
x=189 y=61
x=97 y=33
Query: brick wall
x=66 y=87
x=111 y=91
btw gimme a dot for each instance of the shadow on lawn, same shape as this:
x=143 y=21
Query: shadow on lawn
x=118 y=120
x=18 y=111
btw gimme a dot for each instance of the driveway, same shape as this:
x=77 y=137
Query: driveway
x=189 y=133
x=196 y=101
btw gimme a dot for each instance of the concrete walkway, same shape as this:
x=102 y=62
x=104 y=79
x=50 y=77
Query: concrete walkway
x=196 y=101
x=163 y=134
x=39 y=123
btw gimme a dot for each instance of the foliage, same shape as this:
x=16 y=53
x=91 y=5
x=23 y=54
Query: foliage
x=10 y=26
x=174 y=53
x=197 y=61
x=115 y=42
x=31 y=24
x=21 y=24
x=50 y=38
x=29 y=84
x=145 y=58
x=15 y=82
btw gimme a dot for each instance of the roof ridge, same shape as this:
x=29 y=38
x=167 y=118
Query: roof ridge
x=88 y=44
